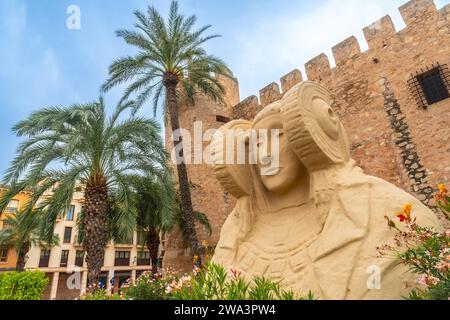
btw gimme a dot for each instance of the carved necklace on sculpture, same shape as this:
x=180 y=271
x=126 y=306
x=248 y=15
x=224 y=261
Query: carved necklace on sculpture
x=271 y=210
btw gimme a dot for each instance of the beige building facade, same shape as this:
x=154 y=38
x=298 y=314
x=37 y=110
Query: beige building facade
x=65 y=264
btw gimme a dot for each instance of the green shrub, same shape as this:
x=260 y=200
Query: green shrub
x=22 y=285
x=100 y=294
x=215 y=283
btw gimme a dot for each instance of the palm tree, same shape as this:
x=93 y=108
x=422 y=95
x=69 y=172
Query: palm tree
x=159 y=212
x=155 y=213
x=170 y=63
x=66 y=148
x=22 y=232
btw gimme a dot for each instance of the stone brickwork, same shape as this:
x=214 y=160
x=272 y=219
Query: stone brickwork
x=411 y=161
x=373 y=100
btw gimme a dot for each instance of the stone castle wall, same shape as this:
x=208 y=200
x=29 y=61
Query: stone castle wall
x=391 y=136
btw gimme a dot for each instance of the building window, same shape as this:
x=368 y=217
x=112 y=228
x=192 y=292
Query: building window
x=44 y=258
x=431 y=85
x=143 y=258
x=122 y=258
x=13 y=206
x=79 y=258
x=64 y=258
x=222 y=119
x=3 y=254
x=67 y=234
x=70 y=213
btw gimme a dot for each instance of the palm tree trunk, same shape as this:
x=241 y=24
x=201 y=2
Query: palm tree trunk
x=153 y=246
x=20 y=264
x=185 y=192
x=95 y=229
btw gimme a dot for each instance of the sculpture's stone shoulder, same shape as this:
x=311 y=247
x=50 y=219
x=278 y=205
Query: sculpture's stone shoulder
x=226 y=247
x=382 y=199
x=390 y=198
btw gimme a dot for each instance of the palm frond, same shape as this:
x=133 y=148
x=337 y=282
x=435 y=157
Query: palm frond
x=167 y=46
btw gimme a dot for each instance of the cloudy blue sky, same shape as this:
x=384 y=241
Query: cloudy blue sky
x=43 y=63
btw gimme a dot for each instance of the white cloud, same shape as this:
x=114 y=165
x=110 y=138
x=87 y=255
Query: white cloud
x=50 y=65
x=15 y=19
x=274 y=47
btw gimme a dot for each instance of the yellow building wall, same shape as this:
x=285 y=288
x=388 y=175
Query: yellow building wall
x=23 y=198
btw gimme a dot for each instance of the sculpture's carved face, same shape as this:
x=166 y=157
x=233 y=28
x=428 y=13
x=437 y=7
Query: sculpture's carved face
x=280 y=177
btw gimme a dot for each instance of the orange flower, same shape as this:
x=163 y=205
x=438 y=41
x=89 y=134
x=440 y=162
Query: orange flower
x=442 y=189
x=405 y=215
x=442 y=192
x=195 y=259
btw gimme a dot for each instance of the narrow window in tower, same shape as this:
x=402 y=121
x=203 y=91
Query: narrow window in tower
x=433 y=86
x=222 y=119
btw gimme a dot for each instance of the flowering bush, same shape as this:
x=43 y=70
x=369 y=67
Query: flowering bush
x=425 y=251
x=149 y=287
x=100 y=295
x=213 y=282
x=96 y=292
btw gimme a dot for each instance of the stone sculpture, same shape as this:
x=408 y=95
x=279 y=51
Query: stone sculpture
x=316 y=223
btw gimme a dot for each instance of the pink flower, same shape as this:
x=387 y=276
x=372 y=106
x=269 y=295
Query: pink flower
x=443 y=265
x=235 y=273
x=428 y=280
x=196 y=270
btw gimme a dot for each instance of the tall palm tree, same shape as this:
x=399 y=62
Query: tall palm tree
x=159 y=212
x=22 y=232
x=170 y=63
x=81 y=146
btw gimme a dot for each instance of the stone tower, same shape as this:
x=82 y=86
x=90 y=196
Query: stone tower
x=207 y=194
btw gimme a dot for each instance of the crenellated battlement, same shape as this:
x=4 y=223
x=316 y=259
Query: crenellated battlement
x=269 y=94
x=445 y=12
x=346 y=50
x=415 y=11
x=380 y=35
x=318 y=68
x=291 y=79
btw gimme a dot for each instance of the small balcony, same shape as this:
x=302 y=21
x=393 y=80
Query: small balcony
x=122 y=258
